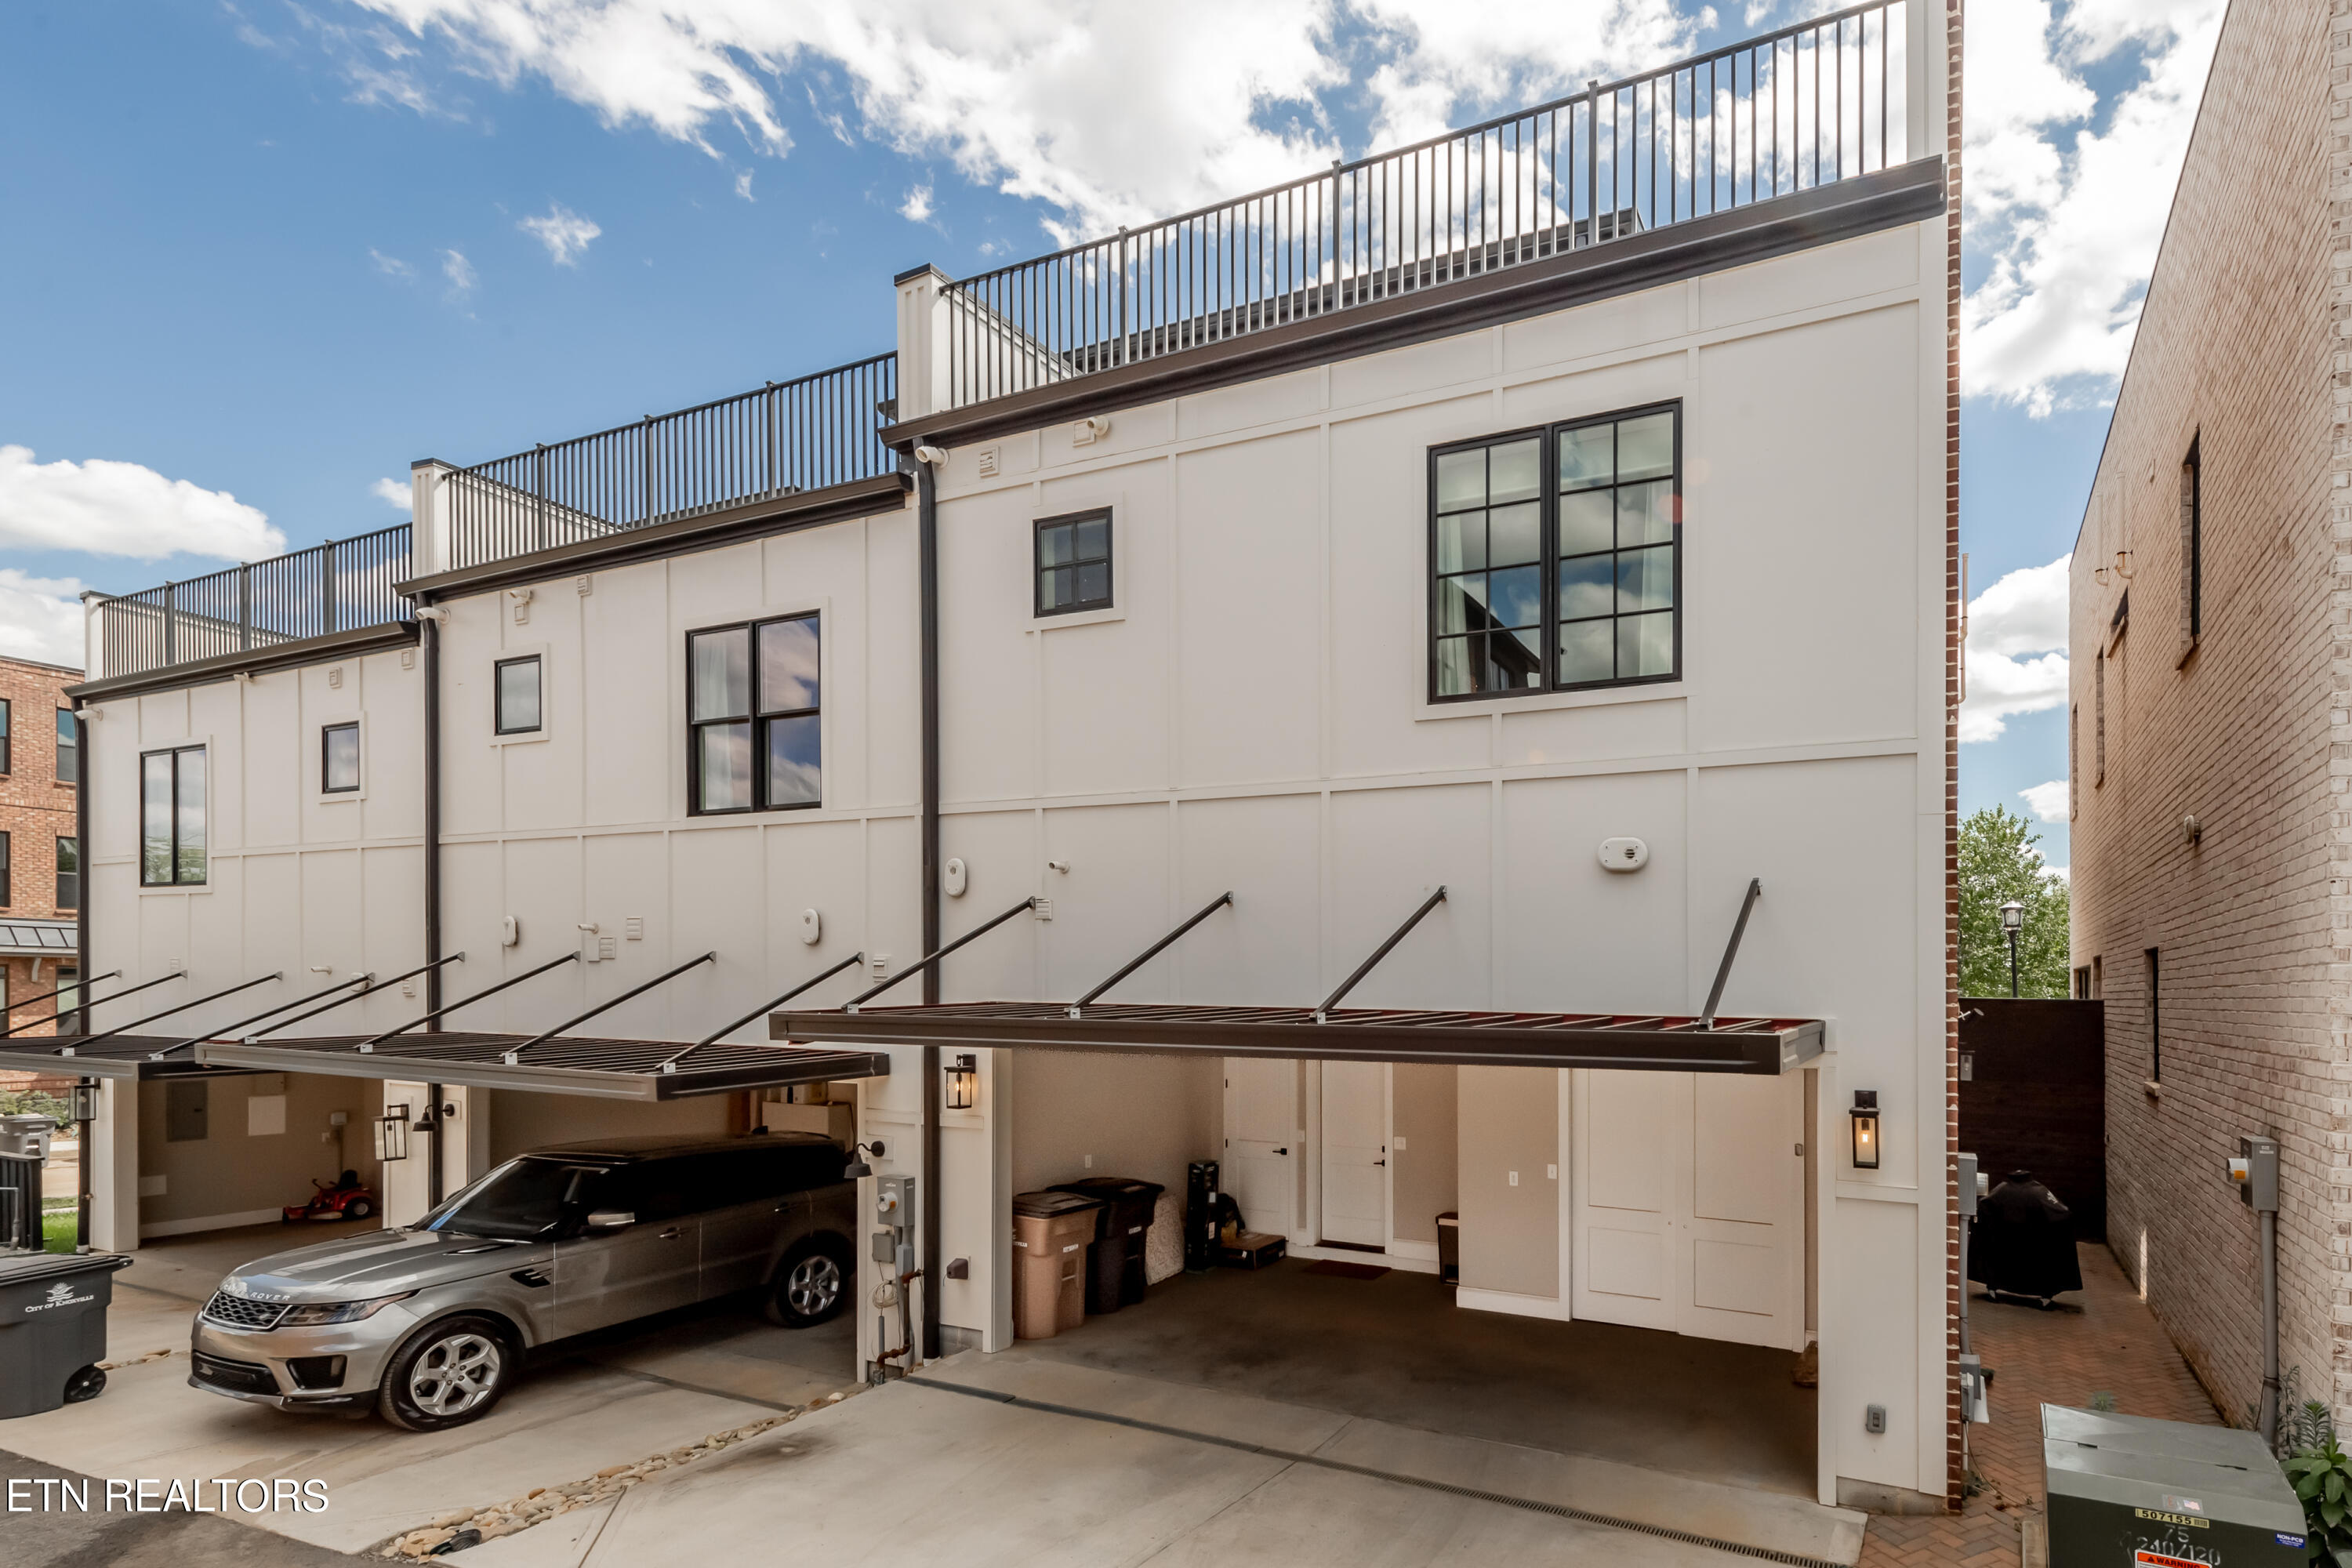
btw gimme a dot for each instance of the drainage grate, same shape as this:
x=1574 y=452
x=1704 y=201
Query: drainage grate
x=1557 y=1510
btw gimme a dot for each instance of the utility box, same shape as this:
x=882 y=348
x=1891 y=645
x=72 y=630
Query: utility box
x=2134 y=1492
x=2256 y=1172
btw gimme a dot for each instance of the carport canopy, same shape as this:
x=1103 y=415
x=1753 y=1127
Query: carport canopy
x=605 y=1068
x=128 y=1057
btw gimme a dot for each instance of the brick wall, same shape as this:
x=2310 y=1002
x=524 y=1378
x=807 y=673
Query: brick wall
x=35 y=811
x=2245 y=728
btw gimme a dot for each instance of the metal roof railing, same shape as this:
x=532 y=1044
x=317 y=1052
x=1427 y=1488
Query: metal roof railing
x=345 y=585
x=1791 y=110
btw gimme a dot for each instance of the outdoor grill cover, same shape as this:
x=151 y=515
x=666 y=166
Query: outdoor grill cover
x=2024 y=1242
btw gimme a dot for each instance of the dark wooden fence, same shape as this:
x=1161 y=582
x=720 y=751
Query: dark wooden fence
x=2033 y=1097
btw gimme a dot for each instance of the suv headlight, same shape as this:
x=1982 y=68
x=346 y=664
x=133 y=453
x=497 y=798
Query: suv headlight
x=325 y=1313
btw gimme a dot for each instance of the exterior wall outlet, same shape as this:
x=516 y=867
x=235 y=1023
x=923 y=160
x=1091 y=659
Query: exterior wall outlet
x=1399 y=1145
x=1515 y=1178
x=1551 y=1172
x=1623 y=853
x=510 y=931
x=1873 y=1420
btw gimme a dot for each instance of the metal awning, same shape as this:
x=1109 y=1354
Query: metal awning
x=1351 y=1035
x=1703 y=1042
x=610 y=1069
x=130 y=1057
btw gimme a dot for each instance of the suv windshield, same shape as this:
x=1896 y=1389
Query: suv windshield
x=519 y=1201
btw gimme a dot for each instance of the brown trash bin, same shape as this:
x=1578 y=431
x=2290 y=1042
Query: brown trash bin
x=1050 y=1235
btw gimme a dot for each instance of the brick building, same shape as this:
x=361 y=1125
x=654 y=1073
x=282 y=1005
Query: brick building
x=2210 y=741
x=40 y=879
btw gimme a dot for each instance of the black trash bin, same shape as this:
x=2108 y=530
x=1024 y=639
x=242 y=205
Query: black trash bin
x=1115 y=1272
x=53 y=1328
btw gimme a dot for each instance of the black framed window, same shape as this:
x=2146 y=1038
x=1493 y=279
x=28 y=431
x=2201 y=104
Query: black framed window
x=172 y=818
x=754 y=725
x=1074 y=563
x=7 y=892
x=69 y=747
x=69 y=874
x=338 y=759
x=517 y=695
x=7 y=763
x=1555 y=557
x=2155 y=1018
x=2192 y=540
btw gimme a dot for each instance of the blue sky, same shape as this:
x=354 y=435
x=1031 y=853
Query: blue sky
x=264 y=253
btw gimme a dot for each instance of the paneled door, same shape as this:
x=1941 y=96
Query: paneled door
x=1356 y=1154
x=1261 y=1152
x=1688 y=1204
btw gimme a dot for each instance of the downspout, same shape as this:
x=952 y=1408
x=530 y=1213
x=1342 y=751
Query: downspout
x=428 y=631
x=927 y=521
x=85 y=1156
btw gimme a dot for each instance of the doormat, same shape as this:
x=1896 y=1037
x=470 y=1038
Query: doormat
x=1346 y=1270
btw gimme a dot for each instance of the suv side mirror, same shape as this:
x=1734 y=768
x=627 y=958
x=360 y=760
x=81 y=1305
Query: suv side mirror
x=611 y=1219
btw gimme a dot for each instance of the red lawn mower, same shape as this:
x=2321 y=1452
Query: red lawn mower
x=347 y=1199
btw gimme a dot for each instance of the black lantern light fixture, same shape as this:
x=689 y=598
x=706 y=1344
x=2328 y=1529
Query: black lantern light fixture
x=84 y=1101
x=2012 y=920
x=392 y=1134
x=962 y=1083
x=1866 y=1129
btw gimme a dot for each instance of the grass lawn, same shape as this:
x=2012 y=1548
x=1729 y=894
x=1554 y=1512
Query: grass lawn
x=58 y=1228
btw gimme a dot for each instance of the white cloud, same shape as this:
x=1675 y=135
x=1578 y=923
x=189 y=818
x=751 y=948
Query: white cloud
x=916 y=207
x=41 y=618
x=393 y=492
x=459 y=271
x=743 y=185
x=2047 y=800
x=565 y=233
x=110 y=508
x=2071 y=216
x=391 y=266
x=2016 y=650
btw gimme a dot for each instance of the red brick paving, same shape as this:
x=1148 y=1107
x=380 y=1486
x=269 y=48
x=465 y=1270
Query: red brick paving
x=2110 y=1344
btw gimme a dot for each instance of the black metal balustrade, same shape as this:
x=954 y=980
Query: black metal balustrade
x=1807 y=106
x=787 y=437
x=341 y=586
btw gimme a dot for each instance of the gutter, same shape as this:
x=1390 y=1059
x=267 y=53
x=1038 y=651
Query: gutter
x=926 y=514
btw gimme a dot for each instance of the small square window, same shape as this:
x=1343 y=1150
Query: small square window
x=338 y=759
x=1074 y=564
x=517 y=696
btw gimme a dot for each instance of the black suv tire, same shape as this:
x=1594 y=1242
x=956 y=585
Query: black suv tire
x=811 y=1284
x=447 y=1373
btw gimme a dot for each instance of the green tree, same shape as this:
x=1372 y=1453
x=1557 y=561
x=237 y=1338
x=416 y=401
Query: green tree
x=1998 y=864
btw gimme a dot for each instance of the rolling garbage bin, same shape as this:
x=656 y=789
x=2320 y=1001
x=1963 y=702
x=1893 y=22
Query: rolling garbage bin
x=24 y=1149
x=1050 y=1234
x=2131 y=1489
x=53 y=1328
x=1115 y=1270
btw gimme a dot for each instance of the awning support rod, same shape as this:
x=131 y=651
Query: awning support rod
x=1149 y=953
x=926 y=961
x=515 y=1055
x=720 y=1033
x=368 y=1046
x=1380 y=952
x=230 y=1029
x=62 y=990
x=36 y=1022
x=1730 y=952
x=369 y=991
x=86 y=1039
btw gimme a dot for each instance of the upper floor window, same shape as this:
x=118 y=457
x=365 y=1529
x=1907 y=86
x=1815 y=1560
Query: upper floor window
x=517 y=696
x=754 y=729
x=338 y=759
x=172 y=818
x=1074 y=564
x=68 y=875
x=69 y=747
x=6 y=763
x=2192 y=548
x=7 y=894
x=1556 y=558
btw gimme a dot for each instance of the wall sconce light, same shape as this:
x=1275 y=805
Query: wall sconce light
x=962 y=1083
x=1866 y=1129
x=392 y=1133
x=84 y=1101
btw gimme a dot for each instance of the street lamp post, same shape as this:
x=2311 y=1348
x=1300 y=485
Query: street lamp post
x=2012 y=920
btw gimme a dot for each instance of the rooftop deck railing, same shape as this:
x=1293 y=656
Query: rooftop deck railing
x=786 y=437
x=1791 y=110
x=341 y=586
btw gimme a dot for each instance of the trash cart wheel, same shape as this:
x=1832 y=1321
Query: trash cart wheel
x=87 y=1383
x=811 y=1284
x=446 y=1375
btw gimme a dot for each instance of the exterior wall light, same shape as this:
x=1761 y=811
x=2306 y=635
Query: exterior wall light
x=962 y=1083
x=84 y=1101
x=1866 y=1129
x=2012 y=920
x=392 y=1134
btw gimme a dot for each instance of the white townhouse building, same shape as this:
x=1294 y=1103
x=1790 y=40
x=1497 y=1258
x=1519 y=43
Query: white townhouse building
x=1527 y=560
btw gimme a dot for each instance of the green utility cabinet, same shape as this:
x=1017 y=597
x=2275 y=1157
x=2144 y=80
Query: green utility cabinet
x=2128 y=1491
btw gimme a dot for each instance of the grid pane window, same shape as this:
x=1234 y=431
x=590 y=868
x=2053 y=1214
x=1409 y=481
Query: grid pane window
x=68 y=878
x=754 y=727
x=1074 y=564
x=1553 y=585
x=6 y=763
x=517 y=696
x=338 y=759
x=172 y=826
x=69 y=746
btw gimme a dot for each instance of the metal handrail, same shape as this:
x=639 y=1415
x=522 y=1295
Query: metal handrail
x=1799 y=107
x=1154 y=951
x=715 y=1036
x=368 y=1046
x=1380 y=952
x=928 y=959
x=515 y=1055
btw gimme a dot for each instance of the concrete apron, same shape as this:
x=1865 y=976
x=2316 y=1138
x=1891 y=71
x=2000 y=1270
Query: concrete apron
x=922 y=1473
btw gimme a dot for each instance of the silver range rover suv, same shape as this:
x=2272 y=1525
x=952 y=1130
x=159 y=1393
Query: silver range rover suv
x=427 y=1323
